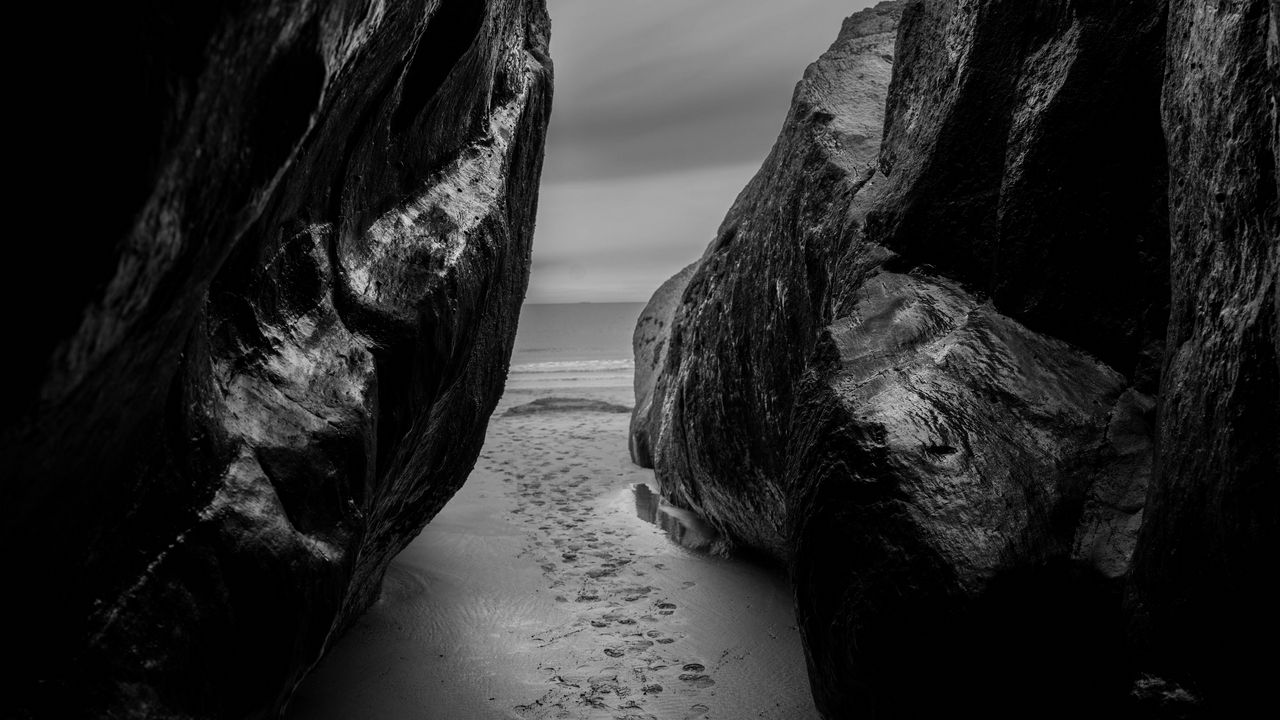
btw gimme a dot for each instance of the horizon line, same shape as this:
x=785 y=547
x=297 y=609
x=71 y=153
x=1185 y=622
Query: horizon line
x=584 y=302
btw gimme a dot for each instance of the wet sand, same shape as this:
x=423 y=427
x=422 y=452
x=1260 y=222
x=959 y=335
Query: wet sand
x=545 y=590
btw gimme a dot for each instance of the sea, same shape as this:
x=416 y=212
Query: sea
x=574 y=345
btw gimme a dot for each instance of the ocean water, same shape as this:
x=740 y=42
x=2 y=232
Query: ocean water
x=576 y=337
x=578 y=350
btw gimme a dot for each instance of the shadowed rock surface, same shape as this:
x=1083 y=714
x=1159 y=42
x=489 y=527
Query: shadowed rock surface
x=1025 y=160
x=292 y=324
x=930 y=383
x=1202 y=605
x=1026 y=164
x=941 y=457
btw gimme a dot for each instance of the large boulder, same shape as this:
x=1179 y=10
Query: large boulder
x=941 y=458
x=649 y=347
x=276 y=358
x=1203 y=602
x=932 y=386
x=965 y=510
x=753 y=307
x=1025 y=160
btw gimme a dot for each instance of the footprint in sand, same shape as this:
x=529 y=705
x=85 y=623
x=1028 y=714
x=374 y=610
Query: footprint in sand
x=636 y=593
x=659 y=637
x=694 y=675
x=698 y=681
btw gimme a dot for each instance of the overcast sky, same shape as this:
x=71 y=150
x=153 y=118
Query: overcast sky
x=663 y=110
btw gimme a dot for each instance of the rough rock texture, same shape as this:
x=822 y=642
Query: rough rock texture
x=941 y=459
x=1026 y=163
x=1203 y=601
x=931 y=385
x=280 y=350
x=1024 y=158
x=649 y=345
x=753 y=307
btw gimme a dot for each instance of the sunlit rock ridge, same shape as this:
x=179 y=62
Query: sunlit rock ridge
x=987 y=354
x=284 y=327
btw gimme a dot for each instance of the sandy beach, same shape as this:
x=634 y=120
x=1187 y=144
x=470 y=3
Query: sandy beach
x=542 y=590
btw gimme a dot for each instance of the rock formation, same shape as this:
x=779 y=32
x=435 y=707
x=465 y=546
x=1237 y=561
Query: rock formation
x=753 y=307
x=932 y=372
x=276 y=357
x=1203 y=604
x=649 y=344
x=1027 y=162
x=942 y=460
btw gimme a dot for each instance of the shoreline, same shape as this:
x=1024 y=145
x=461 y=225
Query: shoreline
x=539 y=592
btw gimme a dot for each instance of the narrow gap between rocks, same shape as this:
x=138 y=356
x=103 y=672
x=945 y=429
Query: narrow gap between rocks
x=557 y=584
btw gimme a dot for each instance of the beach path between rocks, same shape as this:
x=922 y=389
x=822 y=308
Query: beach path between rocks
x=539 y=593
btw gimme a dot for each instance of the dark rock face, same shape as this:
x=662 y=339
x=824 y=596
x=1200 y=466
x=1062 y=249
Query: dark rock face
x=285 y=366
x=754 y=305
x=1025 y=161
x=941 y=458
x=649 y=345
x=941 y=386
x=1202 y=602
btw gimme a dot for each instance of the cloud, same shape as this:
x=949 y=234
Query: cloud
x=663 y=109
x=641 y=83
x=617 y=241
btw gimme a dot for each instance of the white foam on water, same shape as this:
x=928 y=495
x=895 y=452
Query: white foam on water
x=575 y=366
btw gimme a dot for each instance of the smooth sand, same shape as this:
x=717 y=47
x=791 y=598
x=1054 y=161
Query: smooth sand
x=539 y=593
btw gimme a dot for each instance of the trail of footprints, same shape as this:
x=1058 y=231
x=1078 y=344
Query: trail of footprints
x=625 y=658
